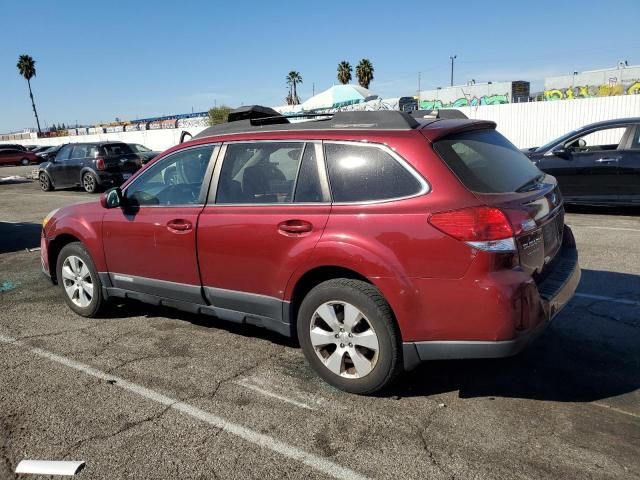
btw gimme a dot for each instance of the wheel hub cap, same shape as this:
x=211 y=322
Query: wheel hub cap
x=344 y=339
x=77 y=281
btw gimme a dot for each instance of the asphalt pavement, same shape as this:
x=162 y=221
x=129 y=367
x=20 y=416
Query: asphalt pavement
x=148 y=392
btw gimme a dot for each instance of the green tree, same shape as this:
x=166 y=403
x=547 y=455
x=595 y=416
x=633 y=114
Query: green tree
x=364 y=72
x=27 y=68
x=293 y=79
x=218 y=115
x=344 y=72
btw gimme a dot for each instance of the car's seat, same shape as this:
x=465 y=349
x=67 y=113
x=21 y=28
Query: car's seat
x=257 y=181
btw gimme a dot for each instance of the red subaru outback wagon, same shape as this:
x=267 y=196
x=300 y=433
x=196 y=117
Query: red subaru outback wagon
x=378 y=239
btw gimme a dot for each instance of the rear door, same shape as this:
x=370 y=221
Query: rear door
x=268 y=206
x=74 y=164
x=629 y=168
x=9 y=156
x=150 y=244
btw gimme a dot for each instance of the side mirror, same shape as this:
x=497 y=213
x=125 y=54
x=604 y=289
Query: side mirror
x=562 y=152
x=112 y=198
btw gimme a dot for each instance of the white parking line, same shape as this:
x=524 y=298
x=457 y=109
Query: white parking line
x=615 y=409
x=624 y=229
x=265 y=441
x=624 y=301
x=245 y=383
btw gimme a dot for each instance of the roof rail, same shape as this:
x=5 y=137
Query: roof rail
x=258 y=118
x=445 y=113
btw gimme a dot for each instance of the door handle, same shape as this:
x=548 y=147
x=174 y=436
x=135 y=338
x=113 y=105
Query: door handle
x=607 y=160
x=295 y=227
x=179 y=226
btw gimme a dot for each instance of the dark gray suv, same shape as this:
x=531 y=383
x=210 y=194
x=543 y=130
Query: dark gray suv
x=90 y=165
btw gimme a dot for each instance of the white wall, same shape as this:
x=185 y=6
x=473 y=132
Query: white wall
x=535 y=123
x=154 y=139
x=525 y=124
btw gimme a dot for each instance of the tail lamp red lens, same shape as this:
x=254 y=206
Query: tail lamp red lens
x=475 y=224
x=100 y=163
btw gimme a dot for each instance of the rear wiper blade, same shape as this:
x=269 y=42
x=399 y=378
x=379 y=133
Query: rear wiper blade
x=530 y=184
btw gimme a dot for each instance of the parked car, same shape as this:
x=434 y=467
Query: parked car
x=146 y=154
x=11 y=156
x=12 y=146
x=377 y=239
x=41 y=148
x=50 y=153
x=90 y=165
x=598 y=164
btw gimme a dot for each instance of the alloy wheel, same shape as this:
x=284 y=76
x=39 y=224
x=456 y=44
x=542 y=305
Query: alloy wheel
x=89 y=183
x=77 y=281
x=44 y=181
x=344 y=339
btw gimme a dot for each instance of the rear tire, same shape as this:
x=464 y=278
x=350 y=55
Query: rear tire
x=90 y=183
x=45 y=182
x=79 y=280
x=349 y=337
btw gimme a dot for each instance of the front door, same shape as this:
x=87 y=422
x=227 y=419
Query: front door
x=262 y=221
x=150 y=243
x=589 y=171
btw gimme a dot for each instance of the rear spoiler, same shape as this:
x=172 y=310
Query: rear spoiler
x=444 y=113
x=439 y=129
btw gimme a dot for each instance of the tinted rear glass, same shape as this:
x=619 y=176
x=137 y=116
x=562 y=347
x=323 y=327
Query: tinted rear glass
x=486 y=162
x=115 y=149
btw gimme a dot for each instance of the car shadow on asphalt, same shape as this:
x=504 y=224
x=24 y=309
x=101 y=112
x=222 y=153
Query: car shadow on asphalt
x=602 y=210
x=590 y=352
x=18 y=236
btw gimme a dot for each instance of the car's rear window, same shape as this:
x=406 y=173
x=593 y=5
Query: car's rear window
x=485 y=161
x=115 y=149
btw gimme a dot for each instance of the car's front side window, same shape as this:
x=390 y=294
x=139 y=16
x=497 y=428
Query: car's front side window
x=259 y=172
x=174 y=180
x=63 y=154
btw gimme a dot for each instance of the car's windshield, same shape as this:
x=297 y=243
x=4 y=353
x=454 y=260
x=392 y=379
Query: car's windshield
x=141 y=148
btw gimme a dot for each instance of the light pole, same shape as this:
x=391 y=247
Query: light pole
x=452 y=60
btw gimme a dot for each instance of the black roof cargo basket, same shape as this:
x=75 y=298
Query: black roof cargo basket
x=256 y=112
x=257 y=118
x=446 y=113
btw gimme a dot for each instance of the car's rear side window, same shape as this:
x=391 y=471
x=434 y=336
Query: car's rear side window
x=485 y=161
x=359 y=173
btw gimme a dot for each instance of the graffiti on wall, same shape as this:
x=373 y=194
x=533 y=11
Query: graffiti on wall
x=590 y=91
x=436 y=104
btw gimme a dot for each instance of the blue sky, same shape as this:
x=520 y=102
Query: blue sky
x=101 y=60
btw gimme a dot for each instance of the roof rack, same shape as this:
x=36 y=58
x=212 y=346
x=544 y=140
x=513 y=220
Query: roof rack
x=258 y=118
x=446 y=113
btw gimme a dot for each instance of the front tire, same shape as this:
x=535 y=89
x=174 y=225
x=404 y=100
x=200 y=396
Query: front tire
x=45 y=182
x=24 y=162
x=90 y=183
x=349 y=337
x=79 y=280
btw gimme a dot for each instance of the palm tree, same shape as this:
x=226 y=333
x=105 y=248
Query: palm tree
x=344 y=72
x=27 y=68
x=364 y=72
x=293 y=79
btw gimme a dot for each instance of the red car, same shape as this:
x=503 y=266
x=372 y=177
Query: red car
x=378 y=239
x=14 y=156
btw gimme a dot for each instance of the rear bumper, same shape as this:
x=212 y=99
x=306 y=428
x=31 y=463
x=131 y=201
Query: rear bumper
x=551 y=294
x=112 y=179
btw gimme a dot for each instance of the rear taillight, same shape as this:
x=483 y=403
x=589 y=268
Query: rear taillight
x=100 y=163
x=485 y=228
